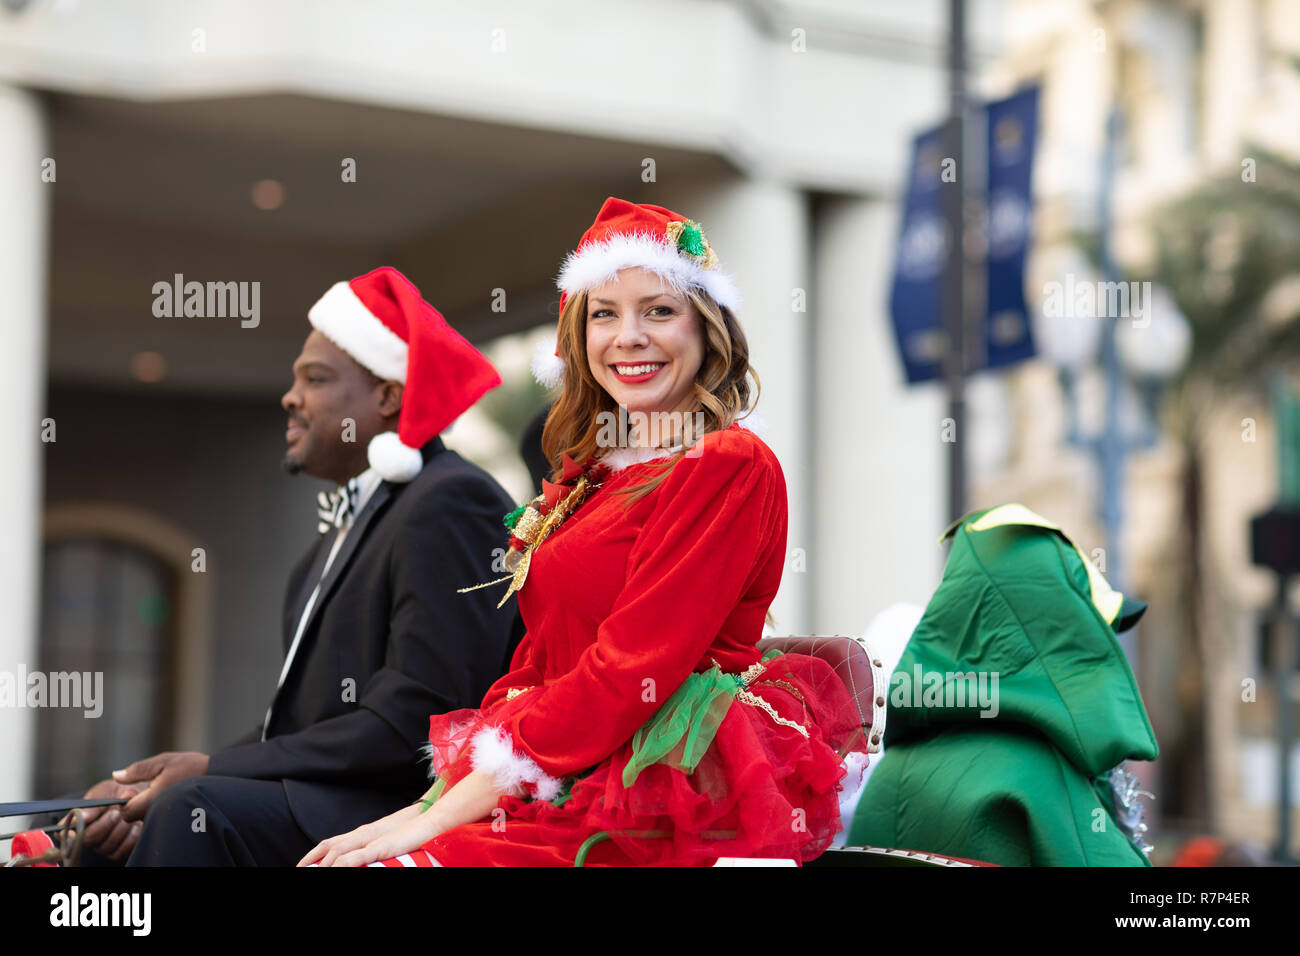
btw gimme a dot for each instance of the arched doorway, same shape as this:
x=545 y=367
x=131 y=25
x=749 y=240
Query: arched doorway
x=123 y=620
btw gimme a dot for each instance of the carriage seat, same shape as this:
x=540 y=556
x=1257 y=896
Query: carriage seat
x=860 y=670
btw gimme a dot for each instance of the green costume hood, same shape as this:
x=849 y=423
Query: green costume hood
x=1022 y=630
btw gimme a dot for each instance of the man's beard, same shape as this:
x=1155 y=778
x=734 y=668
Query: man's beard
x=291 y=465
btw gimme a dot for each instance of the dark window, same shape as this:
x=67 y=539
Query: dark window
x=107 y=609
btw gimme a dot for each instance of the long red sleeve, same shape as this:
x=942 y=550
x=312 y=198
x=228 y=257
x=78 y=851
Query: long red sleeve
x=700 y=577
x=523 y=673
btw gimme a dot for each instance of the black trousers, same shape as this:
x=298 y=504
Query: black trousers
x=217 y=821
x=221 y=821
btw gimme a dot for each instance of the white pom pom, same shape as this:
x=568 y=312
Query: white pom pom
x=548 y=368
x=393 y=460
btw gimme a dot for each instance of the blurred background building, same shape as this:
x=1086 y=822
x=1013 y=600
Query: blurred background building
x=148 y=138
x=1206 y=205
x=294 y=144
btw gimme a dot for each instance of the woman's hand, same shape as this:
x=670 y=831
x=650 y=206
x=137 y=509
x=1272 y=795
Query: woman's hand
x=411 y=835
x=327 y=852
x=468 y=801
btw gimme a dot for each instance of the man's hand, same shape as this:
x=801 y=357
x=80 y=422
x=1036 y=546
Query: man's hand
x=106 y=832
x=160 y=772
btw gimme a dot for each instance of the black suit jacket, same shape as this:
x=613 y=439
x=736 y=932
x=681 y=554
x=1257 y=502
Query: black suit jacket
x=389 y=642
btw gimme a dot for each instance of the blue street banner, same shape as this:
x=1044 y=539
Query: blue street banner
x=914 y=300
x=1004 y=335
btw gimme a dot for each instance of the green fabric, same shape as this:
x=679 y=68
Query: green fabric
x=994 y=795
x=1015 y=786
x=691 y=241
x=682 y=729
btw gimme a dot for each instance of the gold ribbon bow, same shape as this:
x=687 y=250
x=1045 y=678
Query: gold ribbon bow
x=542 y=516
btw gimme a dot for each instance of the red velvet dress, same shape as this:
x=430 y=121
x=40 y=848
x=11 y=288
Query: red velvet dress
x=621 y=606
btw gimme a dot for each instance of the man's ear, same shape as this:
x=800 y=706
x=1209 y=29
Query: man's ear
x=390 y=399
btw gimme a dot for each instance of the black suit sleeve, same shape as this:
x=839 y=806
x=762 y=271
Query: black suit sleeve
x=444 y=649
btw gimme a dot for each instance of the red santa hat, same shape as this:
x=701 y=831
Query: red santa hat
x=383 y=323
x=628 y=235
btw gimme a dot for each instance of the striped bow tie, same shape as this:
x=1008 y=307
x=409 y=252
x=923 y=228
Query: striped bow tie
x=334 y=507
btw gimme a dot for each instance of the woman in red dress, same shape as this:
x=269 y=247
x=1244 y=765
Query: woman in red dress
x=637 y=723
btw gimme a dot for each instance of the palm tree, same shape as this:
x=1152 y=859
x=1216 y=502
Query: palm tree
x=1229 y=252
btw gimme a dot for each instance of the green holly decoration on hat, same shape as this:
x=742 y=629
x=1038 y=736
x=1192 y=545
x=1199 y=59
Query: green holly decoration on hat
x=691 y=241
x=688 y=237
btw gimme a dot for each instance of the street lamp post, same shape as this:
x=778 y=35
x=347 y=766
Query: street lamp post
x=1134 y=358
x=1111 y=446
x=953 y=297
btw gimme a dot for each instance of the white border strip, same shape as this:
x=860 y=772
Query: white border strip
x=879 y=699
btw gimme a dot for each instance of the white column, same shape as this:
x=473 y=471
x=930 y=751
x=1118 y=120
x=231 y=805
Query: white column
x=878 y=464
x=23 y=236
x=760 y=231
x=1231 y=77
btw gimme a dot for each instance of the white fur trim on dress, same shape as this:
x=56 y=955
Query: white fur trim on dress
x=494 y=753
x=427 y=753
x=857 y=767
x=393 y=460
x=599 y=262
x=547 y=367
x=621 y=458
x=344 y=319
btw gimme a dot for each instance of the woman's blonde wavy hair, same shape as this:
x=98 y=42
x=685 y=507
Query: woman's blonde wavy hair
x=722 y=389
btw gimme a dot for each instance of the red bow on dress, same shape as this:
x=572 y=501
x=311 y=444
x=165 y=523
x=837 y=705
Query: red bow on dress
x=553 y=492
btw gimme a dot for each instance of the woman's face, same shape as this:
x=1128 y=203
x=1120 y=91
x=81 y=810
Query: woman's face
x=645 y=342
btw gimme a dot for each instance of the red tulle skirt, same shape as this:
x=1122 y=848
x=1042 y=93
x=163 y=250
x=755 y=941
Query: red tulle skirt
x=762 y=789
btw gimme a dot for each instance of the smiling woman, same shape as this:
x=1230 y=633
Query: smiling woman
x=637 y=722
x=675 y=364
x=646 y=327
x=645 y=345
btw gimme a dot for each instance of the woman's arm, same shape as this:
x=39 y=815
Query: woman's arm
x=328 y=851
x=522 y=673
x=468 y=801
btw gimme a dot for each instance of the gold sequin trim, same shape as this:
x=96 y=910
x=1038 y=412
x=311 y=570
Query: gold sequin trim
x=789 y=688
x=752 y=672
x=755 y=701
x=529 y=523
x=514 y=692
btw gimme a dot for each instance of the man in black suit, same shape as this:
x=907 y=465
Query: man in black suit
x=376 y=636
